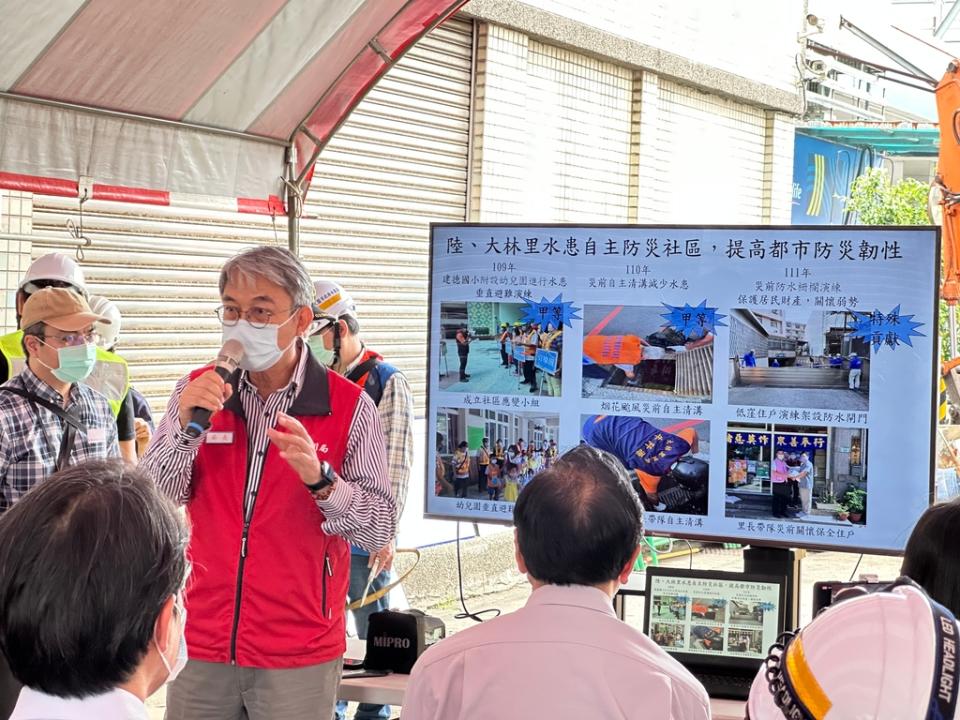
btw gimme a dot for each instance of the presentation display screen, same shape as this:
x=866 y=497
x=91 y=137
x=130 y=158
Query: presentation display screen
x=768 y=385
x=720 y=615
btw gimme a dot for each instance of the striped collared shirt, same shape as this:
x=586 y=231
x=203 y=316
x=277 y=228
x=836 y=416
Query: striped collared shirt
x=348 y=510
x=396 y=418
x=30 y=434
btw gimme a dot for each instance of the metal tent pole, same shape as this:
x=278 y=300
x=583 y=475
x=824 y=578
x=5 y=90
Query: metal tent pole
x=294 y=201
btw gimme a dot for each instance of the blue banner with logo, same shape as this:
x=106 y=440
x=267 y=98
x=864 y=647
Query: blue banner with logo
x=822 y=175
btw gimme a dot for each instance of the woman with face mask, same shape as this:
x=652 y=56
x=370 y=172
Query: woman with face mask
x=780 y=484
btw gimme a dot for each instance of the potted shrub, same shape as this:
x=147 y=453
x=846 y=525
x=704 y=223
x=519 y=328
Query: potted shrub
x=842 y=512
x=855 y=501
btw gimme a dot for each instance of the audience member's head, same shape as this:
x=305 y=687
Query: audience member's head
x=92 y=572
x=579 y=522
x=879 y=656
x=929 y=559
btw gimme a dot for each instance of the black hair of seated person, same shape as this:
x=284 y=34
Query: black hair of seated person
x=87 y=560
x=931 y=558
x=579 y=521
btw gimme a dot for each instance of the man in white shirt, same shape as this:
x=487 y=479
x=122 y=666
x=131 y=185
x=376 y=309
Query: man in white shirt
x=92 y=570
x=805 y=478
x=565 y=654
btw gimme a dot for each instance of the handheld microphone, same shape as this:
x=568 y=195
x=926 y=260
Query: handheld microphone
x=227 y=361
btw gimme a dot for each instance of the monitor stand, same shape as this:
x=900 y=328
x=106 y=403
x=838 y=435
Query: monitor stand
x=781 y=562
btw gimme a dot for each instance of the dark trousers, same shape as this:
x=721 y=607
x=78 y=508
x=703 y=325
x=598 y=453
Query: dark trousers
x=795 y=492
x=463 y=366
x=504 y=358
x=482 y=477
x=529 y=373
x=781 y=495
x=460 y=486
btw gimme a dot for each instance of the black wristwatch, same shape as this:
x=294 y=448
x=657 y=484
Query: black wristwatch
x=327 y=478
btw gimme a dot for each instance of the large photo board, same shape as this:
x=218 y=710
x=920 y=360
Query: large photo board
x=761 y=384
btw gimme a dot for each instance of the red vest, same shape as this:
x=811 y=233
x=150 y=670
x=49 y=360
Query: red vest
x=364 y=356
x=270 y=595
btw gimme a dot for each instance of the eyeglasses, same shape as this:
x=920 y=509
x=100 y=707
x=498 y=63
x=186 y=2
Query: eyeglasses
x=258 y=317
x=74 y=339
x=323 y=328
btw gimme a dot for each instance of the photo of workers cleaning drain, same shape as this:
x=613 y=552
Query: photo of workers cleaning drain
x=633 y=353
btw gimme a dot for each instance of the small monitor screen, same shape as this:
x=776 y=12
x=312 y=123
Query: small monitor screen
x=825 y=592
x=713 y=615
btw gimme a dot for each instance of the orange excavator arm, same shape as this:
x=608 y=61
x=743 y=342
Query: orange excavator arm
x=948 y=179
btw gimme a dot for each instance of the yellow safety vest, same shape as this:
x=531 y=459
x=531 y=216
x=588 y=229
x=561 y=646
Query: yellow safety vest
x=547 y=339
x=110 y=376
x=462 y=464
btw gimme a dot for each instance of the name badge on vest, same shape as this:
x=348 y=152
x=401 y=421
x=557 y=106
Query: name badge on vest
x=219 y=438
x=96 y=435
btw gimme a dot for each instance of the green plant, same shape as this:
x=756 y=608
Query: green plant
x=877 y=201
x=856 y=500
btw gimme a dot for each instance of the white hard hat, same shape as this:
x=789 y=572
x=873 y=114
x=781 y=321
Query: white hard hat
x=332 y=300
x=883 y=656
x=55 y=266
x=109 y=333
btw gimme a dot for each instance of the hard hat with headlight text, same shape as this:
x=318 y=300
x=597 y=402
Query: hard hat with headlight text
x=890 y=655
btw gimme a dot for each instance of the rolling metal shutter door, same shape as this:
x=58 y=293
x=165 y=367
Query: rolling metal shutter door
x=398 y=164
x=160 y=265
x=711 y=158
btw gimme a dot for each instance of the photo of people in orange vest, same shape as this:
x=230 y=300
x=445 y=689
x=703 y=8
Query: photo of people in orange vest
x=632 y=353
x=488 y=347
x=668 y=459
x=482 y=455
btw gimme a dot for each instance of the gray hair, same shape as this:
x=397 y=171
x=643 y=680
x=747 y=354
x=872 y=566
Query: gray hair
x=276 y=265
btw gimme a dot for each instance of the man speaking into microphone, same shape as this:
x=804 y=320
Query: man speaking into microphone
x=281 y=465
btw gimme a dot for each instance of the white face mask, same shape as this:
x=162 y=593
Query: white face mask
x=181 y=660
x=260 y=349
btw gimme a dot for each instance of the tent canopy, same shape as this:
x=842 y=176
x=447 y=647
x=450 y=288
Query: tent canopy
x=188 y=101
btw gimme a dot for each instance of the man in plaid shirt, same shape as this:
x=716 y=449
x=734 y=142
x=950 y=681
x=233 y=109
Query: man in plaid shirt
x=60 y=344
x=335 y=342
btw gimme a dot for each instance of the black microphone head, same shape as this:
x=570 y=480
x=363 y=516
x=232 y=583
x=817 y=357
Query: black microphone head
x=230 y=355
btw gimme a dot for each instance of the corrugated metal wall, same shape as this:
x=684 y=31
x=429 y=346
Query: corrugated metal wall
x=161 y=266
x=397 y=165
